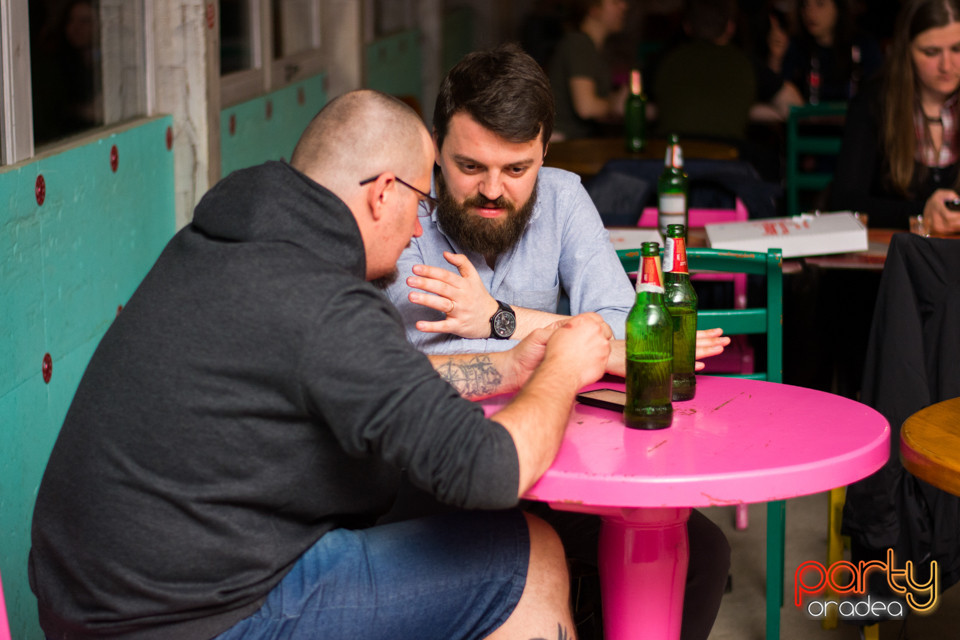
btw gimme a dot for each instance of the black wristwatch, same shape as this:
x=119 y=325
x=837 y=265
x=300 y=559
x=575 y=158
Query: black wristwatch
x=504 y=322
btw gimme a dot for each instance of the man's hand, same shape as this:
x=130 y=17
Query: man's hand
x=524 y=358
x=710 y=342
x=574 y=353
x=581 y=346
x=463 y=298
x=937 y=218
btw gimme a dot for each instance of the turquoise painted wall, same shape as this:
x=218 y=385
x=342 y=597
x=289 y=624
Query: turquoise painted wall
x=392 y=65
x=65 y=268
x=268 y=127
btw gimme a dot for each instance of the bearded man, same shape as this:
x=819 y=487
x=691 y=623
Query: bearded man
x=508 y=234
x=507 y=237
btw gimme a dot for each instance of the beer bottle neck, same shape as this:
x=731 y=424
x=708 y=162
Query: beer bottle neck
x=650 y=279
x=674 y=157
x=675 y=256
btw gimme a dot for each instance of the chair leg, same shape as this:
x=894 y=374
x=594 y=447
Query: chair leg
x=834 y=545
x=742 y=518
x=776 y=527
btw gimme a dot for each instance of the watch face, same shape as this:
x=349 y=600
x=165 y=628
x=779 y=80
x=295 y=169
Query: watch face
x=504 y=324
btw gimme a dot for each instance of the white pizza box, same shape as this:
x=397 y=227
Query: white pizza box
x=632 y=237
x=809 y=234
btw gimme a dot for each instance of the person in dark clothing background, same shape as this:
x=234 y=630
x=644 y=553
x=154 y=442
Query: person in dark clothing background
x=580 y=74
x=828 y=38
x=901 y=145
x=705 y=86
x=245 y=421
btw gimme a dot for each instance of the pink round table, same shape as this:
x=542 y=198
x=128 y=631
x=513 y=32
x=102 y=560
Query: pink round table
x=738 y=441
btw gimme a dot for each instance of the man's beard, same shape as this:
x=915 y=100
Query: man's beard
x=385 y=281
x=486 y=236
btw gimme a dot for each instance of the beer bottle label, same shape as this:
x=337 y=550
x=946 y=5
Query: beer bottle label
x=649 y=279
x=675 y=256
x=673 y=203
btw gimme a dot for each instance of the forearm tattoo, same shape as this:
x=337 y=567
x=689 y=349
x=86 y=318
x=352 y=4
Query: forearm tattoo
x=475 y=377
x=562 y=634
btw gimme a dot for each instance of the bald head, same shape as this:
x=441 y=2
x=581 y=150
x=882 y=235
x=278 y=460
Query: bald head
x=359 y=135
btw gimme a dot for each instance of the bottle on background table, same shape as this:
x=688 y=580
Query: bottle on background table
x=813 y=80
x=649 y=382
x=635 y=114
x=681 y=302
x=672 y=188
x=856 y=71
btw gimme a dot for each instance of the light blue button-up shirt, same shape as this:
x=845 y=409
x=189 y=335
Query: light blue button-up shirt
x=564 y=246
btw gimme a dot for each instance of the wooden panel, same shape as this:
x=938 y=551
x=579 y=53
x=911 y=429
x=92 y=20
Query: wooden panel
x=21 y=280
x=65 y=266
x=392 y=65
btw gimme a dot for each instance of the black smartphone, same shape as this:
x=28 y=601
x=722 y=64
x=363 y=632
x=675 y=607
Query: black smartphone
x=603 y=398
x=953 y=205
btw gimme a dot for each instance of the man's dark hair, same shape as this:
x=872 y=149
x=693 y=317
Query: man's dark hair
x=503 y=89
x=707 y=19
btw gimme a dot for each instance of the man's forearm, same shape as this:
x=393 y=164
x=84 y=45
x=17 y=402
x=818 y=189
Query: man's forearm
x=537 y=418
x=475 y=375
x=529 y=320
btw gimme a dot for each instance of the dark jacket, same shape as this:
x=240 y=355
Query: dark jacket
x=860 y=182
x=913 y=361
x=253 y=394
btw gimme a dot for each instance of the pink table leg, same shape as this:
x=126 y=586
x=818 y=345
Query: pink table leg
x=643 y=569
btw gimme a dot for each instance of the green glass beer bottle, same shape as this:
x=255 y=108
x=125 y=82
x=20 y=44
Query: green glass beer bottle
x=681 y=302
x=649 y=349
x=635 y=114
x=672 y=188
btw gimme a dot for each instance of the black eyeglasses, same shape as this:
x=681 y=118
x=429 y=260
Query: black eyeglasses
x=427 y=205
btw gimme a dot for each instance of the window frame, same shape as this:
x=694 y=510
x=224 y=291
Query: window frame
x=16 y=95
x=17 y=143
x=269 y=73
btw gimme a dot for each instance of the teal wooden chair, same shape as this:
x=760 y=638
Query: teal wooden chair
x=766 y=321
x=824 y=121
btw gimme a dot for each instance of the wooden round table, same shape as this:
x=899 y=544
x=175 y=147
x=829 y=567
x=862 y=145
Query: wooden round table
x=930 y=445
x=587 y=156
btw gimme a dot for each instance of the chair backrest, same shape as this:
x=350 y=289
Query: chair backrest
x=766 y=320
x=754 y=320
x=701 y=218
x=812 y=130
x=4 y=625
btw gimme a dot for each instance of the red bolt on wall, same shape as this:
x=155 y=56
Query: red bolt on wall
x=233 y=123
x=47 y=367
x=40 y=189
x=114 y=158
x=169 y=138
x=301 y=95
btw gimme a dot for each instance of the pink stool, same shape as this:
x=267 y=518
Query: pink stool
x=4 y=626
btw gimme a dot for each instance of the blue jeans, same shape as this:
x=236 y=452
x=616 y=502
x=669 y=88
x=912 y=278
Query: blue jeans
x=456 y=575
